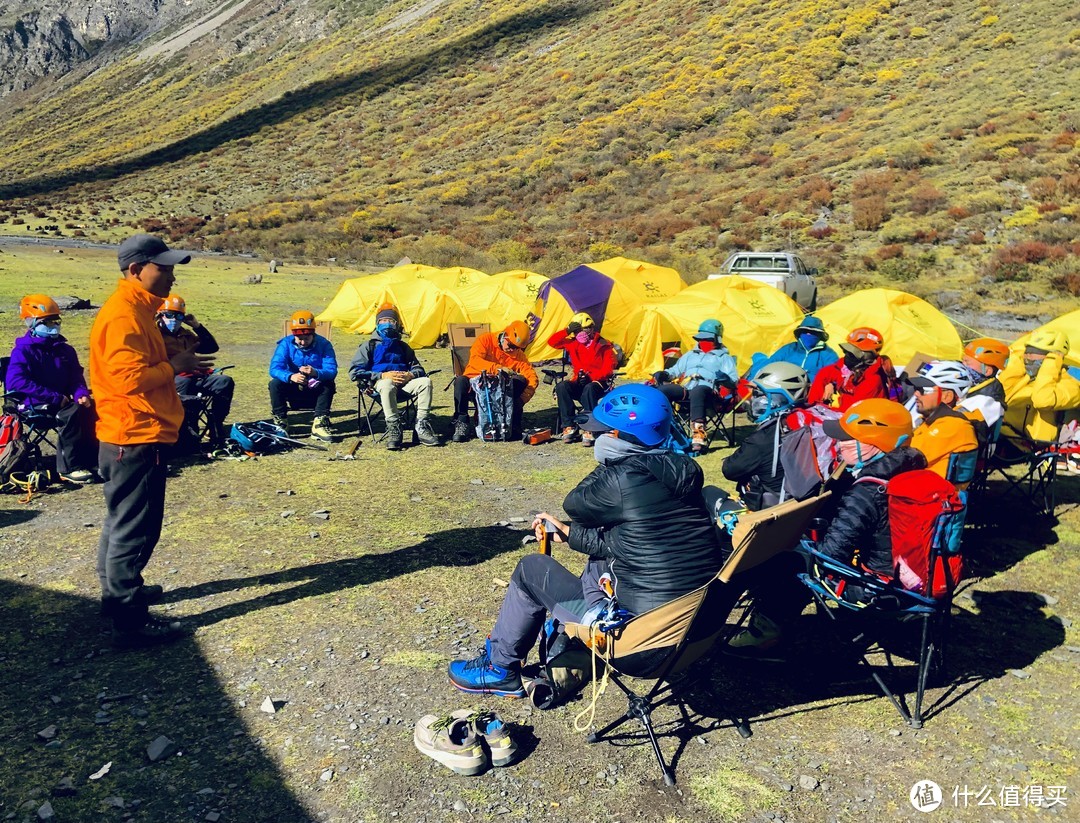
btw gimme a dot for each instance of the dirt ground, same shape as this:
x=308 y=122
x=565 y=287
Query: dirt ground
x=346 y=624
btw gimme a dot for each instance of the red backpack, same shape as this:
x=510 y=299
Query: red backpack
x=925 y=512
x=13 y=446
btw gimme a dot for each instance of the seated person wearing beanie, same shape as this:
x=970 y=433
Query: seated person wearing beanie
x=44 y=371
x=391 y=366
x=639 y=517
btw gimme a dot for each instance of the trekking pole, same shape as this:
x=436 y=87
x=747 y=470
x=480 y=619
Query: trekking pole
x=489 y=426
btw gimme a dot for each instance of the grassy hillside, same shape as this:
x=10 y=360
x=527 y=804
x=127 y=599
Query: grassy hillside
x=926 y=143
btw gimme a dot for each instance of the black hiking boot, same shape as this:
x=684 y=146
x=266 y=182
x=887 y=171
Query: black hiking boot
x=153 y=632
x=393 y=435
x=461 y=430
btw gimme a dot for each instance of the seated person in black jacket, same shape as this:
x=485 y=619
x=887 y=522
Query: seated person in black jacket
x=873 y=435
x=755 y=467
x=639 y=516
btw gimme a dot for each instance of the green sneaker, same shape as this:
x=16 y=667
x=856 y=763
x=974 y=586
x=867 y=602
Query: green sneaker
x=452 y=742
x=759 y=634
x=320 y=429
x=491 y=730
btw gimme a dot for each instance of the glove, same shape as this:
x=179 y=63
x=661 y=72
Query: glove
x=662 y=377
x=573 y=328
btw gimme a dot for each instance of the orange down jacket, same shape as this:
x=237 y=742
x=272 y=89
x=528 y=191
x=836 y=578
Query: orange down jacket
x=486 y=355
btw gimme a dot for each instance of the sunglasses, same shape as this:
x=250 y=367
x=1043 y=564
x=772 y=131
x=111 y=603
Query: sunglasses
x=173 y=315
x=927 y=389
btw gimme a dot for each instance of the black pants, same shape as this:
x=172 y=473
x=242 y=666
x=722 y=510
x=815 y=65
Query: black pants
x=462 y=391
x=76 y=443
x=218 y=386
x=701 y=397
x=588 y=394
x=134 y=478
x=540 y=585
x=286 y=395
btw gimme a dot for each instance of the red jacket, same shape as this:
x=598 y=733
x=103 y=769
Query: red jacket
x=597 y=359
x=874 y=382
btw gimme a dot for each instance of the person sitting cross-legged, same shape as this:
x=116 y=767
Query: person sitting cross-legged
x=302 y=373
x=389 y=364
x=592 y=366
x=171 y=319
x=698 y=375
x=640 y=518
x=44 y=371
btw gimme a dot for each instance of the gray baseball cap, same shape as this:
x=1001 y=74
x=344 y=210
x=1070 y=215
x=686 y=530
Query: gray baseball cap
x=145 y=248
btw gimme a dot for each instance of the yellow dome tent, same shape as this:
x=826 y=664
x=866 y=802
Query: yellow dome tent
x=908 y=323
x=615 y=308
x=502 y=298
x=454 y=278
x=355 y=294
x=1068 y=323
x=756 y=318
x=425 y=311
x=651 y=283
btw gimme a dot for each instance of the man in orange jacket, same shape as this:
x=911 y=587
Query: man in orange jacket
x=945 y=435
x=139 y=414
x=491 y=353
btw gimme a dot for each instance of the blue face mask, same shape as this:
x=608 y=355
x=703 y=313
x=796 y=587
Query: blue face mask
x=171 y=324
x=45 y=330
x=388 y=331
x=808 y=340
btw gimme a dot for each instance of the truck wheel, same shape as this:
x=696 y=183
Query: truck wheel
x=813 y=302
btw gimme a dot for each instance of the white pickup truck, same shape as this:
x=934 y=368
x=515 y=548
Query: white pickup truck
x=781 y=269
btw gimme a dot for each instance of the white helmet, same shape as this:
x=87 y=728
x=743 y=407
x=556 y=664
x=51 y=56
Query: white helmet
x=778 y=386
x=946 y=374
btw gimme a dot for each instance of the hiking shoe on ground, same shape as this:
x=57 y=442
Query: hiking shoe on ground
x=425 y=434
x=481 y=676
x=320 y=429
x=80 y=476
x=758 y=635
x=461 y=430
x=699 y=440
x=154 y=632
x=490 y=729
x=588 y=439
x=282 y=422
x=151 y=593
x=570 y=434
x=452 y=742
x=393 y=435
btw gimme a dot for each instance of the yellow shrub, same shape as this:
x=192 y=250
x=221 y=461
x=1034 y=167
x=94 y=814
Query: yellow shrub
x=1007 y=153
x=1004 y=39
x=919 y=32
x=660 y=158
x=989 y=20
x=888 y=75
x=1027 y=216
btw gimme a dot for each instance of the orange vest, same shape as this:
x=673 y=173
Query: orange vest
x=130 y=375
x=486 y=355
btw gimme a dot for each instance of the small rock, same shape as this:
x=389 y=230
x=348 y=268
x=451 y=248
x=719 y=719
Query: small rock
x=1064 y=622
x=1047 y=599
x=160 y=749
x=327 y=775
x=65 y=788
x=313 y=535
x=786 y=787
x=48 y=733
x=364 y=654
x=503 y=523
x=269 y=706
x=459 y=806
x=100 y=773
x=476 y=481
x=1073 y=649
x=808 y=782
x=205 y=792
x=213 y=817
x=518 y=520
x=114 y=802
x=1020 y=674
x=288 y=513
x=416 y=498
x=45 y=811
x=894 y=732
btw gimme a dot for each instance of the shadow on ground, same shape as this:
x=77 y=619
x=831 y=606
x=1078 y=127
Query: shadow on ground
x=107 y=707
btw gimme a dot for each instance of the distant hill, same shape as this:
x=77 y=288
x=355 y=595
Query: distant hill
x=929 y=144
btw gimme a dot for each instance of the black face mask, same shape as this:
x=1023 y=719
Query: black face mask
x=853 y=362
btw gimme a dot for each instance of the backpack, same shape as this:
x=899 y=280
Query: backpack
x=259 y=437
x=925 y=511
x=806 y=452
x=564 y=667
x=15 y=451
x=494 y=406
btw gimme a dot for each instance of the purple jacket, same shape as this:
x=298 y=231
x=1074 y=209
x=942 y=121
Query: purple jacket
x=44 y=371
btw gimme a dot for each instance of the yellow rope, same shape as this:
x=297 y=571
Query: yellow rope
x=597 y=691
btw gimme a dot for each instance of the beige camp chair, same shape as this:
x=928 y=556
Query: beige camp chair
x=664 y=642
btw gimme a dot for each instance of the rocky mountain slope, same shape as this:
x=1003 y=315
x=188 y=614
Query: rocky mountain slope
x=904 y=142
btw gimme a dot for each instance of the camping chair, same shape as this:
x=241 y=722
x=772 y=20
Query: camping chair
x=462 y=336
x=369 y=403
x=719 y=416
x=38 y=422
x=888 y=600
x=664 y=643
x=1028 y=467
x=322 y=328
x=197 y=410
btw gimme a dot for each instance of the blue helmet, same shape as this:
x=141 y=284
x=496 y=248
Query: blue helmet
x=639 y=411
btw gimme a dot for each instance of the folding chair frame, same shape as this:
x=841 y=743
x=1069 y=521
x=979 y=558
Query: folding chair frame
x=934 y=614
x=368 y=400
x=1035 y=484
x=718 y=419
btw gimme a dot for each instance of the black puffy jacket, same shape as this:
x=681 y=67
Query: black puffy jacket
x=862 y=517
x=645 y=514
x=751 y=466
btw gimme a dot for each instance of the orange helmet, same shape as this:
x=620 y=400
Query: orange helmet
x=38 y=305
x=865 y=338
x=174 y=302
x=876 y=422
x=302 y=320
x=518 y=334
x=988 y=351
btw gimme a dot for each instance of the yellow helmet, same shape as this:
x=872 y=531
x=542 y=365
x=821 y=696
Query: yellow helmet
x=584 y=319
x=1049 y=340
